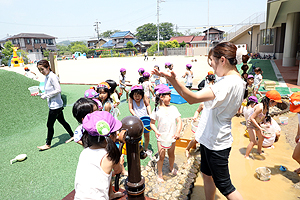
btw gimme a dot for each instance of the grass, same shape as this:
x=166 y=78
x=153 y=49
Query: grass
x=44 y=174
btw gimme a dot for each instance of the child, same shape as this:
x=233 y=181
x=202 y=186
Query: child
x=207 y=81
x=92 y=94
x=166 y=116
x=248 y=109
x=257 y=80
x=260 y=113
x=114 y=96
x=122 y=83
x=274 y=137
x=104 y=96
x=156 y=78
x=81 y=108
x=245 y=77
x=96 y=162
x=141 y=79
x=168 y=69
x=147 y=85
x=249 y=92
x=189 y=76
x=139 y=106
x=29 y=73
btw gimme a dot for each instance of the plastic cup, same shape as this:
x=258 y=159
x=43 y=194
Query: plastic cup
x=34 y=90
x=284 y=120
x=166 y=140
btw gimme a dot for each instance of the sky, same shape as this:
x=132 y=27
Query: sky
x=74 y=20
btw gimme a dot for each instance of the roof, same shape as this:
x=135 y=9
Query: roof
x=198 y=38
x=32 y=35
x=214 y=30
x=108 y=44
x=128 y=36
x=180 y=39
x=120 y=34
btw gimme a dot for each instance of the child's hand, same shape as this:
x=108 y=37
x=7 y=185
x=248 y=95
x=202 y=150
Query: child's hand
x=176 y=136
x=122 y=159
x=194 y=119
x=157 y=135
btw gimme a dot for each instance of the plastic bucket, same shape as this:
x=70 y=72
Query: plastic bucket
x=146 y=121
x=263 y=173
x=166 y=140
x=34 y=90
x=284 y=120
x=194 y=126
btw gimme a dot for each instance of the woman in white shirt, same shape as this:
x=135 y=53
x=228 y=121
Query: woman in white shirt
x=55 y=103
x=226 y=96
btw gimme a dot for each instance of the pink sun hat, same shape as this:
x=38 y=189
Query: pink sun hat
x=122 y=70
x=161 y=89
x=90 y=93
x=137 y=87
x=141 y=70
x=146 y=75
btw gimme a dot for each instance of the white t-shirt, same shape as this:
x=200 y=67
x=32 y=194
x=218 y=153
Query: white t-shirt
x=257 y=79
x=270 y=141
x=203 y=119
x=52 y=91
x=247 y=112
x=229 y=92
x=122 y=79
x=91 y=182
x=166 y=119
x=78 y=133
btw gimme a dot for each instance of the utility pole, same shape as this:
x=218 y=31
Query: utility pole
x=176 y=30
x=97 y=29
x=158 y=1
x=208 y=28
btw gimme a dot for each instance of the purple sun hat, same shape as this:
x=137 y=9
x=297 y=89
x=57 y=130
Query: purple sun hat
x=122 y=70
x=167 y=64
x=137 y=87
x=189 y=66
x=250 y=76
x=146 y=75
x=161 y=89
x=90 y=93
x=100 y=123
x=253 y=98
x=141 y=70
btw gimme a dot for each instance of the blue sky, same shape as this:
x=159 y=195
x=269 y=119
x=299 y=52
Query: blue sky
x=73 y=20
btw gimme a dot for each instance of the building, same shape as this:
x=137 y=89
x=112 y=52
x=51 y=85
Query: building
x=93 y=43
x=186 y=39
x=215 y=35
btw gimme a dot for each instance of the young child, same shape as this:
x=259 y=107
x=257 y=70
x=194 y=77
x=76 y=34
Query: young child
x=260 y=113
x=269 y=140
x=104 y=96
x=245 y=77
x=147 y=85
x=141 y=79
x=189 y=76
x=248 y=92
x=139 y=106
x=166 y=116
x=81 y=108
x=248 y=109
x=169 y=68
x=257 y=80
x=156 y=78
x=210 y=77
x=122 y=83
x=30 y=74
x=96 y=162
x=114 y=96
x=92 y=94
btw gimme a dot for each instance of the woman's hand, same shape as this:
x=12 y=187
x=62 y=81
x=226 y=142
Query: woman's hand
x=167 y=75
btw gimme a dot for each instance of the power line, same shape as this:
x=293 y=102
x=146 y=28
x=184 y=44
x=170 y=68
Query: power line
x=40 y=25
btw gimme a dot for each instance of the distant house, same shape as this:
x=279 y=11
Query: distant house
x=215 y=35
x=120 y=40
x=186 y=39
x=33 y=42
x=93 y=43
x=198 y=41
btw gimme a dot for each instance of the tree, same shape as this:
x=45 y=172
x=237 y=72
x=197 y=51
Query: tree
x=78 y=46
x=129 y=45
x=108 y=33
x=153 y=48
x=166 y=30
x=182 y=44
x=147 y=32
x=7 y=52
x=172 y=44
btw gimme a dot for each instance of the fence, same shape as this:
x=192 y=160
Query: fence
x=190 y=51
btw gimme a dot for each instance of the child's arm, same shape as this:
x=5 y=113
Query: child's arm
x=153 y=127
x=256 y=112
x=107 y=107
x=151 y=90
x=178 y=129
x=184 y=75
x=197 y=112
x=147 y=104
x=298 y=135
x=130 y=106
x=107 y=165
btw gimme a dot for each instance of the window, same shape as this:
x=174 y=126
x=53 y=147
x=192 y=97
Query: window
x=267 y=36
x=37 y=41
x=28 y=41
x=272 y=31
x=50 y=42
x=121 y=40
x=14 y=41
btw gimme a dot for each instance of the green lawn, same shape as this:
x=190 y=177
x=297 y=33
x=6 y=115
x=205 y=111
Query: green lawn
x=44 y=174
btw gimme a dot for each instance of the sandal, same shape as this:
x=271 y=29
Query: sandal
x=160 y=180
x=44 y=147
x=174 y=171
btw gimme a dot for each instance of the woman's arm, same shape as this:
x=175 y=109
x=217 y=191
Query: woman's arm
x=153 y=127
x=205 y=94
x=130 y=106
x=178 y=128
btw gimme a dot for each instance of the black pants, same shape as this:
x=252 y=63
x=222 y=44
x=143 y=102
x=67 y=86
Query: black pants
x=52 y=116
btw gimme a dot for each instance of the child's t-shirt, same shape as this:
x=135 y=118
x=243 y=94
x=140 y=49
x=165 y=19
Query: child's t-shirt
x=146 y=86
x=78 y=133
x=257 y=79
x=250 y=89
x=229 y=93
x=122 y=79
x=91 y=182
x=166 y=119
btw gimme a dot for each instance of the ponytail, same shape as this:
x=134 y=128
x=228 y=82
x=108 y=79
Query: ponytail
x=266 y=104
x=112 y=151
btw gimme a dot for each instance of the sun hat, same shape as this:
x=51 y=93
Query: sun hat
x=253 y=98
x=103 y=85
x=189 y=66
x=161 y=89
x=167 y=63
x=295 y=102
x=137 y=87
x=25 y=68
x=250 y=76
x=100 y=123
x=210 y=73
x=90 y=93
x=122 y=70
x=141 y=70
x=146 y=75
x=274 y=95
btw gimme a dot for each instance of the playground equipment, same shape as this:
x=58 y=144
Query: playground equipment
x=16 y=61
x=79 y=56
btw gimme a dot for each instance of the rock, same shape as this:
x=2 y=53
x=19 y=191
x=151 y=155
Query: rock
x=176 y=193
x=179 y=187
x=144 y=173
x=192 y=175
x=148 y=169
x=185 y=192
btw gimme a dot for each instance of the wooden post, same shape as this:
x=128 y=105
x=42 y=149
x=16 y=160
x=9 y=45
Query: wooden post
x=53 y=62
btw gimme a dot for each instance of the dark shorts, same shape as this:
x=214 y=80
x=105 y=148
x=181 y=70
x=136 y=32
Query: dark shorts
x=215 y=164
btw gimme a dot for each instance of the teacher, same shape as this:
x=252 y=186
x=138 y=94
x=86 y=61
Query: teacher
x=225 y=98
x=55 y=103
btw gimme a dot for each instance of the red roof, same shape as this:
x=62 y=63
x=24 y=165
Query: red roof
x=186 y=39
x=129 y=36
x=198 y=38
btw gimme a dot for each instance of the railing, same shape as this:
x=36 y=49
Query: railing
x=256 y=18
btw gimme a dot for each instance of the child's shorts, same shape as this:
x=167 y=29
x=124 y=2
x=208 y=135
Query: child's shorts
x=215 y=164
